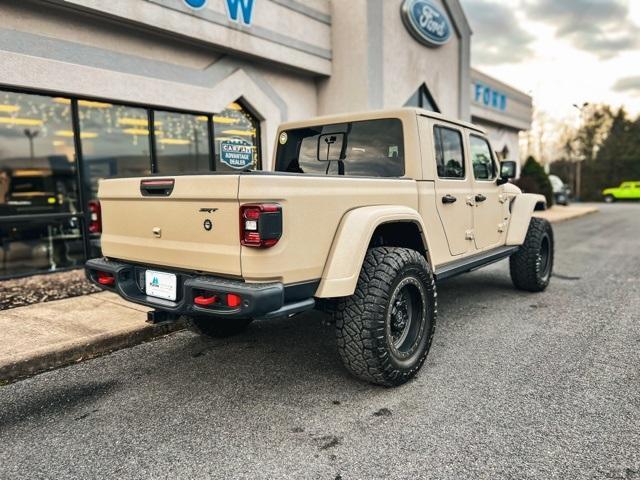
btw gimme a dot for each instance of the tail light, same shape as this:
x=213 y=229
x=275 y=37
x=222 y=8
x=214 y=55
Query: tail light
x=107 y=279
x=260 y=225
x=233 y=300
x=95 y=217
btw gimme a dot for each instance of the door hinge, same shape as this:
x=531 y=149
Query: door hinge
x=501 y=227
x=503 y=198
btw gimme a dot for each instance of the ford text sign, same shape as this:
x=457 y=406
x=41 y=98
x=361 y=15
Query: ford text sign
x=489 y=97
x=236 y=9
x=426 y=22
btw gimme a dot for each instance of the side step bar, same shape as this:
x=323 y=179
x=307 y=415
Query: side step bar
x=290 y=309
x=473 y=262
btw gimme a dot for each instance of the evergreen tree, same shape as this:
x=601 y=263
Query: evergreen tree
x=533 y=179
x=617 y=159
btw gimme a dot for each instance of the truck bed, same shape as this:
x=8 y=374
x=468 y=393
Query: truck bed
x=168 y=228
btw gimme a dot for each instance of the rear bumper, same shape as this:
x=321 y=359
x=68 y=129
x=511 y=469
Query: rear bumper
x=258 y=299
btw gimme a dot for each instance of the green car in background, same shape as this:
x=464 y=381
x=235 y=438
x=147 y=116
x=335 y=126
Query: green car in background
x=626 y=191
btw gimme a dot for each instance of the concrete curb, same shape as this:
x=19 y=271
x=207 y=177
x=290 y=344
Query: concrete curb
x=97 y=346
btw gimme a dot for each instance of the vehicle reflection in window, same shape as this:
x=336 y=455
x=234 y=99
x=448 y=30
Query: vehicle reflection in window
x=31 y=246
x=37 y=177
x=37 y=169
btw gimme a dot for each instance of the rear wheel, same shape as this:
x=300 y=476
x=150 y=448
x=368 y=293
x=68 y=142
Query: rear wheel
x=531 y=266
x=218 y=327
x=384 y=330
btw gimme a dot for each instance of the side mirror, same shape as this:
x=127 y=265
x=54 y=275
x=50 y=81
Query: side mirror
x=508 y=170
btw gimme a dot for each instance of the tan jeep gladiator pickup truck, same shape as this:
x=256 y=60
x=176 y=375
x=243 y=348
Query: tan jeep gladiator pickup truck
x=362 y=216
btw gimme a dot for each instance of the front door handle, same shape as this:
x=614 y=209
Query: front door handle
x=449 y=199
x=480 y=198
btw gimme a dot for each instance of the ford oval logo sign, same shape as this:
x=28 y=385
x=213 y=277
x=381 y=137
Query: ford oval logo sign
x=426 y=22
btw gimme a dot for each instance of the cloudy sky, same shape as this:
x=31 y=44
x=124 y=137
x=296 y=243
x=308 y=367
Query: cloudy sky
x=561 y=51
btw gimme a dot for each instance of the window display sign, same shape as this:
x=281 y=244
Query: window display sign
x=237 y=154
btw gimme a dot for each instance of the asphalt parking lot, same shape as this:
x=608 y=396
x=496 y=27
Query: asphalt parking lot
x=517 y=385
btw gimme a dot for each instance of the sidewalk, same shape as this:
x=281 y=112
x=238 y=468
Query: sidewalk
x=559 y=213
x=48 y=335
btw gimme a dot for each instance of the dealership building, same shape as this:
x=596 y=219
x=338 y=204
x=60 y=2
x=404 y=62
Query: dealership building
x=93 y=89
x=502 y=111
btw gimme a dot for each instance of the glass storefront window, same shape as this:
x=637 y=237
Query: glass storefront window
x=39 y=246
x=115 y=142
x=37 y=177
x=37 y=164
x=236 y=137
x=181 y=142
x=42 y=223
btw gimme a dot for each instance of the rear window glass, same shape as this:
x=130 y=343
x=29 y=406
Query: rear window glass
x=371 y=148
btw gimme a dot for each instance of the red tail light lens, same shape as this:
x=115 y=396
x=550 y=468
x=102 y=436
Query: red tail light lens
x=95 y=217
x=106 y=279
x=260 y=225
x=233 y=300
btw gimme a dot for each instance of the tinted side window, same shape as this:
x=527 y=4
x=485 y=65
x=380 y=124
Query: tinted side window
x=484 y=167
x=371 y=148
x=449 y=154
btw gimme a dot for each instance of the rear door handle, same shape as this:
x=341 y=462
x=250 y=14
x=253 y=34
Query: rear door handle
x=449 y=199
x=480 y=198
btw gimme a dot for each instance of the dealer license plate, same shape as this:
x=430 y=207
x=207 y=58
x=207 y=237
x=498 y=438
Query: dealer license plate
x=161 y=284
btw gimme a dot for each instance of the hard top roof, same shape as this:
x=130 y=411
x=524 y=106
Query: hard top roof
x=377 y=114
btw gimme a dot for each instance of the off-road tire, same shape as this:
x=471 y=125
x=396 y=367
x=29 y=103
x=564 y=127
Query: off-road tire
x=528 y=267
x=218 y=327
x=363 y=320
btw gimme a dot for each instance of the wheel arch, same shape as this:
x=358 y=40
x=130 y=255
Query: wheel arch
x=522 y=209
x=360 y=229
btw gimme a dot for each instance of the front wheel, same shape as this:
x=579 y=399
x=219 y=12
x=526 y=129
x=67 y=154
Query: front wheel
x=384 y=330
x=531 y=266
x=218 y=327
x=609 y=198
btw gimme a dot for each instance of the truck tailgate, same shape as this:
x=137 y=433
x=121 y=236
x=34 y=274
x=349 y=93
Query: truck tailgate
x=194 y=225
